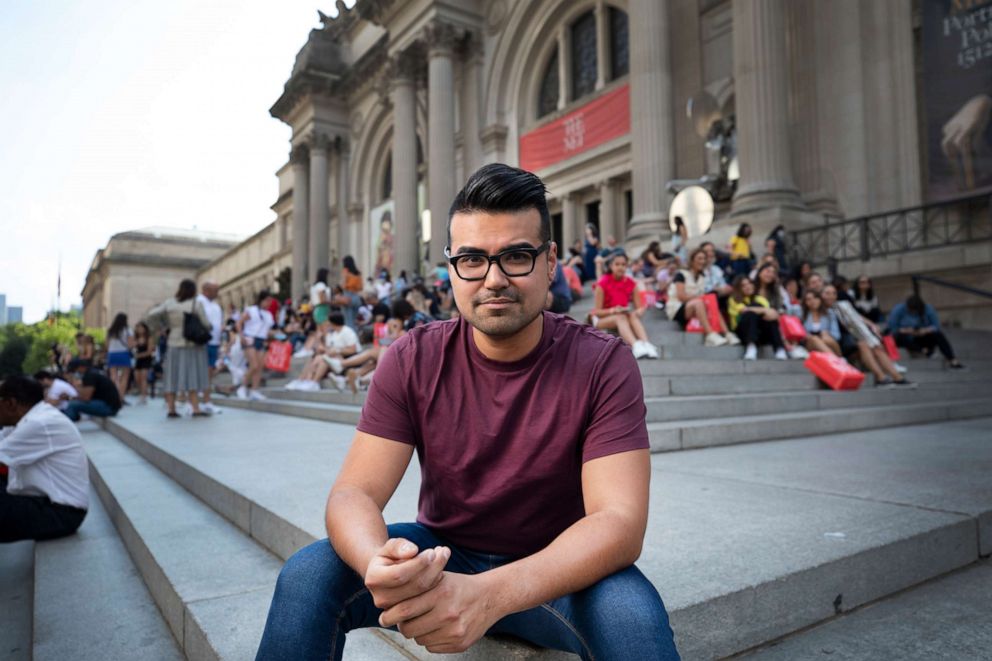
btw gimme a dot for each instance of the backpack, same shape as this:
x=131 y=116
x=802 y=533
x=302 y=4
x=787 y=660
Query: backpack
x=194 y=330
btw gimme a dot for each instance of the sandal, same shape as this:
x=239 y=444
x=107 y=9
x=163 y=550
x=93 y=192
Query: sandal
x=201 y=414
x=172 y=414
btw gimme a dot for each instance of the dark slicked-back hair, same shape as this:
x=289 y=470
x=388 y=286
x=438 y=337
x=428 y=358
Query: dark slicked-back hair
x=499 y=188
x=22 y=389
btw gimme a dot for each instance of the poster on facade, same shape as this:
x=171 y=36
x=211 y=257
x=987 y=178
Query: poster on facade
x=381 y=225
x=957 y=88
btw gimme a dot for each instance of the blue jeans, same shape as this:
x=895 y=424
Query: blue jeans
x=94 y=407
x=319 y=599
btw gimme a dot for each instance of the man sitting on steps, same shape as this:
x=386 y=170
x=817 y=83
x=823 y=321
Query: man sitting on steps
x=46 y=493
x=530 y=433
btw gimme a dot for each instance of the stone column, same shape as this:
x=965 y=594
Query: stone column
x=761 y=89
x=342 y=152
x=602 y=43
x=564 y=80
x=472 y=104
x=651 y=120
x=301 y=214
x=403 y=98
x=569 y=222
x=440 y=38
x=607 y=212
x=319 y=220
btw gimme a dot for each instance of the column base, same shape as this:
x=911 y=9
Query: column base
x=758 y=197
x=643 y=230
x=762 y=222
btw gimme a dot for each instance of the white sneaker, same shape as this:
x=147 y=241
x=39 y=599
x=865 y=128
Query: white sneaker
x=292 y=385
x=242 y=392
x=210 y=408
x=732 y=339
x=751 y=353
x=715 y=340
x=781 y=355
x=652 y=350
x=256 y=396
x=335 y=365
x=902 y=369
x=309 y=386
x=340 y=382
x=798 y=353
x=639 y=350
x=185 y=409
x=303 y=353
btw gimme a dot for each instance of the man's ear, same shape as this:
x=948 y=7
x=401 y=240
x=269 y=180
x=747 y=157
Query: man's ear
x=552 y=260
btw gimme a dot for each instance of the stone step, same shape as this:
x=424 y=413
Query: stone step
x=210 y=580
x=90 y=603
x=736 y=397
x=703 y=433
x=948 y=617
x=16 y=596
x=712 y=408
x=787 y=533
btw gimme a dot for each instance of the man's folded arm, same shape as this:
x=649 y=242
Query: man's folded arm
x=607 y=539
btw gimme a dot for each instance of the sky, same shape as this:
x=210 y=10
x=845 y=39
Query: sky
x=117 y=115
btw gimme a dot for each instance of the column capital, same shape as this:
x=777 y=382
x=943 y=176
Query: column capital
x=318 y=142
x=342 y=146
x=403 y=68
x=299 y=154
x=441 y=38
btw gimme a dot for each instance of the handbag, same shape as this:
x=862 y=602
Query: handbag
x=194 y=330
x=792 y=329
x=834 y=371
x=713 y=315
x=279 y=356
x=890 y=347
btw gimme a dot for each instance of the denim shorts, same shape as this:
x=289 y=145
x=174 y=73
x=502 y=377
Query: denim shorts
x=213 y=351
x=119 y=359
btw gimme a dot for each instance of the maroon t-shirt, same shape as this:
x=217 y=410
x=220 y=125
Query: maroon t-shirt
x=501 y=445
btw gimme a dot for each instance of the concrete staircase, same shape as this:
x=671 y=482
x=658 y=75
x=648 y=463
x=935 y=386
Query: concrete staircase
x=749 y=542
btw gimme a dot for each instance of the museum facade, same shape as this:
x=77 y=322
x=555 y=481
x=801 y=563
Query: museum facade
x=802 y=113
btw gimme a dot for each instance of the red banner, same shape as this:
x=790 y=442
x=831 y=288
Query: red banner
x=601 y=120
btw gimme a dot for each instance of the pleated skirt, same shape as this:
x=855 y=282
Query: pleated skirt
x=186 y=369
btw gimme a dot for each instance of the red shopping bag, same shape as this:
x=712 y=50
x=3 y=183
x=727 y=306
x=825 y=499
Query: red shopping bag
x=378 y=332
x=279 y=356
x=834 y=371
x=648 y=298
x=792 y=329
x=712 y=314
x=890 y=347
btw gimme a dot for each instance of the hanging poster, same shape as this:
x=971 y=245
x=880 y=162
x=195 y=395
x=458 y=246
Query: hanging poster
x=957 y=91
x=381 y=226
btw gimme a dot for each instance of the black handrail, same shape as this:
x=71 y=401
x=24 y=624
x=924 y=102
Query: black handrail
x=950 y=222
x=950 y=285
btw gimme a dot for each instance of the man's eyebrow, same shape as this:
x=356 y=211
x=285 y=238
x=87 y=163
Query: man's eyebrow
x=463 y=250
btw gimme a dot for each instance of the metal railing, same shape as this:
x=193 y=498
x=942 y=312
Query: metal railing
x=952 y=222
x=950 y=285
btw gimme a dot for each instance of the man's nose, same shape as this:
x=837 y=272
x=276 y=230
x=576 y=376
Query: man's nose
x=496 y=279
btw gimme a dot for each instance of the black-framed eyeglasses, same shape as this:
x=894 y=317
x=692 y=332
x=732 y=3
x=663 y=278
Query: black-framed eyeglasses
x=513 y=262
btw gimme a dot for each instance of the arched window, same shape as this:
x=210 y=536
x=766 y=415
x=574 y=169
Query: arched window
x=547 y=101
x=387 y=180
x=619 y=44
x=583 y=55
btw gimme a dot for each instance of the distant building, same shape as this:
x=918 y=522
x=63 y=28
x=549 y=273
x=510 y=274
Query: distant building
x=15 y=315
x=141 y=268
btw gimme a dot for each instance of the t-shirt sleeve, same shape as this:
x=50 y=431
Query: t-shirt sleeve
x=679 y=277
x=386 y=412
x=617 y=422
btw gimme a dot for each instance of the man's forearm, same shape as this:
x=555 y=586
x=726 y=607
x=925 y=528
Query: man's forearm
x=592 y=548
x=355 y=527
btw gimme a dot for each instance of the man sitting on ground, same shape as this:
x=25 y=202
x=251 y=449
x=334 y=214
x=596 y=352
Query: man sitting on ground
x=530 y=433
x=46 y=492
x=98 y=396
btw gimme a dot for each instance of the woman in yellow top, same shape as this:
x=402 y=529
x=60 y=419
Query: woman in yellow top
x=753 y=320
x=741 y=256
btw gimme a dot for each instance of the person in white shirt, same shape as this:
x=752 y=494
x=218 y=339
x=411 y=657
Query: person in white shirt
x=57 y=392
x=254 y=327
x=339 y=342
x=46 y=493
x=215 y=315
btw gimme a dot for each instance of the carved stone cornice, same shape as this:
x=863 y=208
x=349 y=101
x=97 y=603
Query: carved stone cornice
x=441 y=38
x=374 y=11
x=367 y=70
